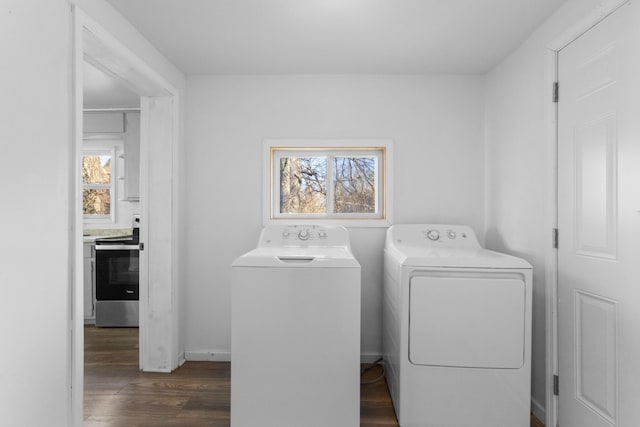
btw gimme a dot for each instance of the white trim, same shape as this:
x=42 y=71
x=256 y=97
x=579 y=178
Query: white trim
x=76 y=325
x=143 y=291
x=370 y=357
x=181 y=359
x=90 y=137
x=328 y=145
x=538 y=410
x=159 y=309
x=208 y=356
x=225 y=356
x=551 y=221
x=112 y=110
x=605 y=9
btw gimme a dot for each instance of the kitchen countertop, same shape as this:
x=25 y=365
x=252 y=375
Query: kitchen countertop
x=90 y=235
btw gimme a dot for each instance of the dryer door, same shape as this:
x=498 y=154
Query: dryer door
x=467 y=320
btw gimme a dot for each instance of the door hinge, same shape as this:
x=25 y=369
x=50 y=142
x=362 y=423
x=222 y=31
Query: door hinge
x=556 y=385
x=142 y=246
x=556 y=89
x=555 y=238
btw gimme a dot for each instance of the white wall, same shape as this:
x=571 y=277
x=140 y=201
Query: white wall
x=37 y=194
x=518 y=165
x=35 y=137
x=435 y=121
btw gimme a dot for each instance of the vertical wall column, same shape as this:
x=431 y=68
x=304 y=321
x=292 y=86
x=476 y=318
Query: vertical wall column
x=157 y=308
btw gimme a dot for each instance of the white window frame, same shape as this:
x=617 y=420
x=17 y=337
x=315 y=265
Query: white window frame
x=275 y=149
x=100 y=148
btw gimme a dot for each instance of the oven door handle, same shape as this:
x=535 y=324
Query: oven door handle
x=116 y=247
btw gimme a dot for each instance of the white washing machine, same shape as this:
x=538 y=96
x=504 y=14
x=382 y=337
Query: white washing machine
x=456 y=329
x=295 y=330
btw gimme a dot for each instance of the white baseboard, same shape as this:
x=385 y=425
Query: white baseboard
x=207 y=356
x=369 y=357
x=538 y=410
x=225 y=356
x=181 y=359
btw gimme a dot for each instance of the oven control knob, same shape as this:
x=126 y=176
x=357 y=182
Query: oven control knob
x=433 y=235
x=322 y=234
x=451 y=234
x=303 y=234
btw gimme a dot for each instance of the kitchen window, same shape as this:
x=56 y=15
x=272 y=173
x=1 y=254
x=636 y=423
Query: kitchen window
x=342 y=181
x=98 y=189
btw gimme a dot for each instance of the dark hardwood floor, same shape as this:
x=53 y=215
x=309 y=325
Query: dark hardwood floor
x=117 y=394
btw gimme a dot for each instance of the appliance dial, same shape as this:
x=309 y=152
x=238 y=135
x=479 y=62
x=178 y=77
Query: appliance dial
x=433 y=235
x=303 y=234
x=451 y=234
x=322 y=234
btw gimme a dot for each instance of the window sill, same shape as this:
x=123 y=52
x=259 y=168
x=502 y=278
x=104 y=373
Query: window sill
x=348 y=223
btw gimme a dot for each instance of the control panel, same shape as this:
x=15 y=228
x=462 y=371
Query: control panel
x=434 y=235
x=303 y=235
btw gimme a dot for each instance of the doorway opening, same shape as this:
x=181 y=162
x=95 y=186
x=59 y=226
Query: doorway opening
x=158 y=135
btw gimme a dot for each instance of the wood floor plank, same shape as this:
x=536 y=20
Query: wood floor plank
x=197 y=394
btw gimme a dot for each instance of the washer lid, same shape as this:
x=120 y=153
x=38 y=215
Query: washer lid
x=298 y=257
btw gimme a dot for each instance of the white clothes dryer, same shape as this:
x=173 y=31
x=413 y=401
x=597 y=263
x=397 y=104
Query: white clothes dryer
x=456 y=329
x=295 y=330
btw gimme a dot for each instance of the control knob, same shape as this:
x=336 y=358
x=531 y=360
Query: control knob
x=433 y=235
x=303 y=234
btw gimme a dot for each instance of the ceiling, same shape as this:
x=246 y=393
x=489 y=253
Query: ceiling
x=335 y=36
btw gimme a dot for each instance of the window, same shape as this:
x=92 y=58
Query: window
x=341 y=181
x=97 y=184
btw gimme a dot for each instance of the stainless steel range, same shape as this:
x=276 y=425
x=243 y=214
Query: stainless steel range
x=117 y=279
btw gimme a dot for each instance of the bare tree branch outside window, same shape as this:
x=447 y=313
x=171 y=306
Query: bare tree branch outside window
x=303 y=184
x=333 y=180
x=96 y=176
x=354 y=184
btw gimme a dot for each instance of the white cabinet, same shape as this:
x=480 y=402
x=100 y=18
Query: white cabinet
x=103 y=122
x=89 y=282
x=132 y=157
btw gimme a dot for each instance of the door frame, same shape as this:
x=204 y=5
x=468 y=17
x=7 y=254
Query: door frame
x=553 y=49
x=159 y=122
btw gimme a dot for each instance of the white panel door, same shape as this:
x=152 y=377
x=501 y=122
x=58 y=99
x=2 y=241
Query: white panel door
x=599 y=225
